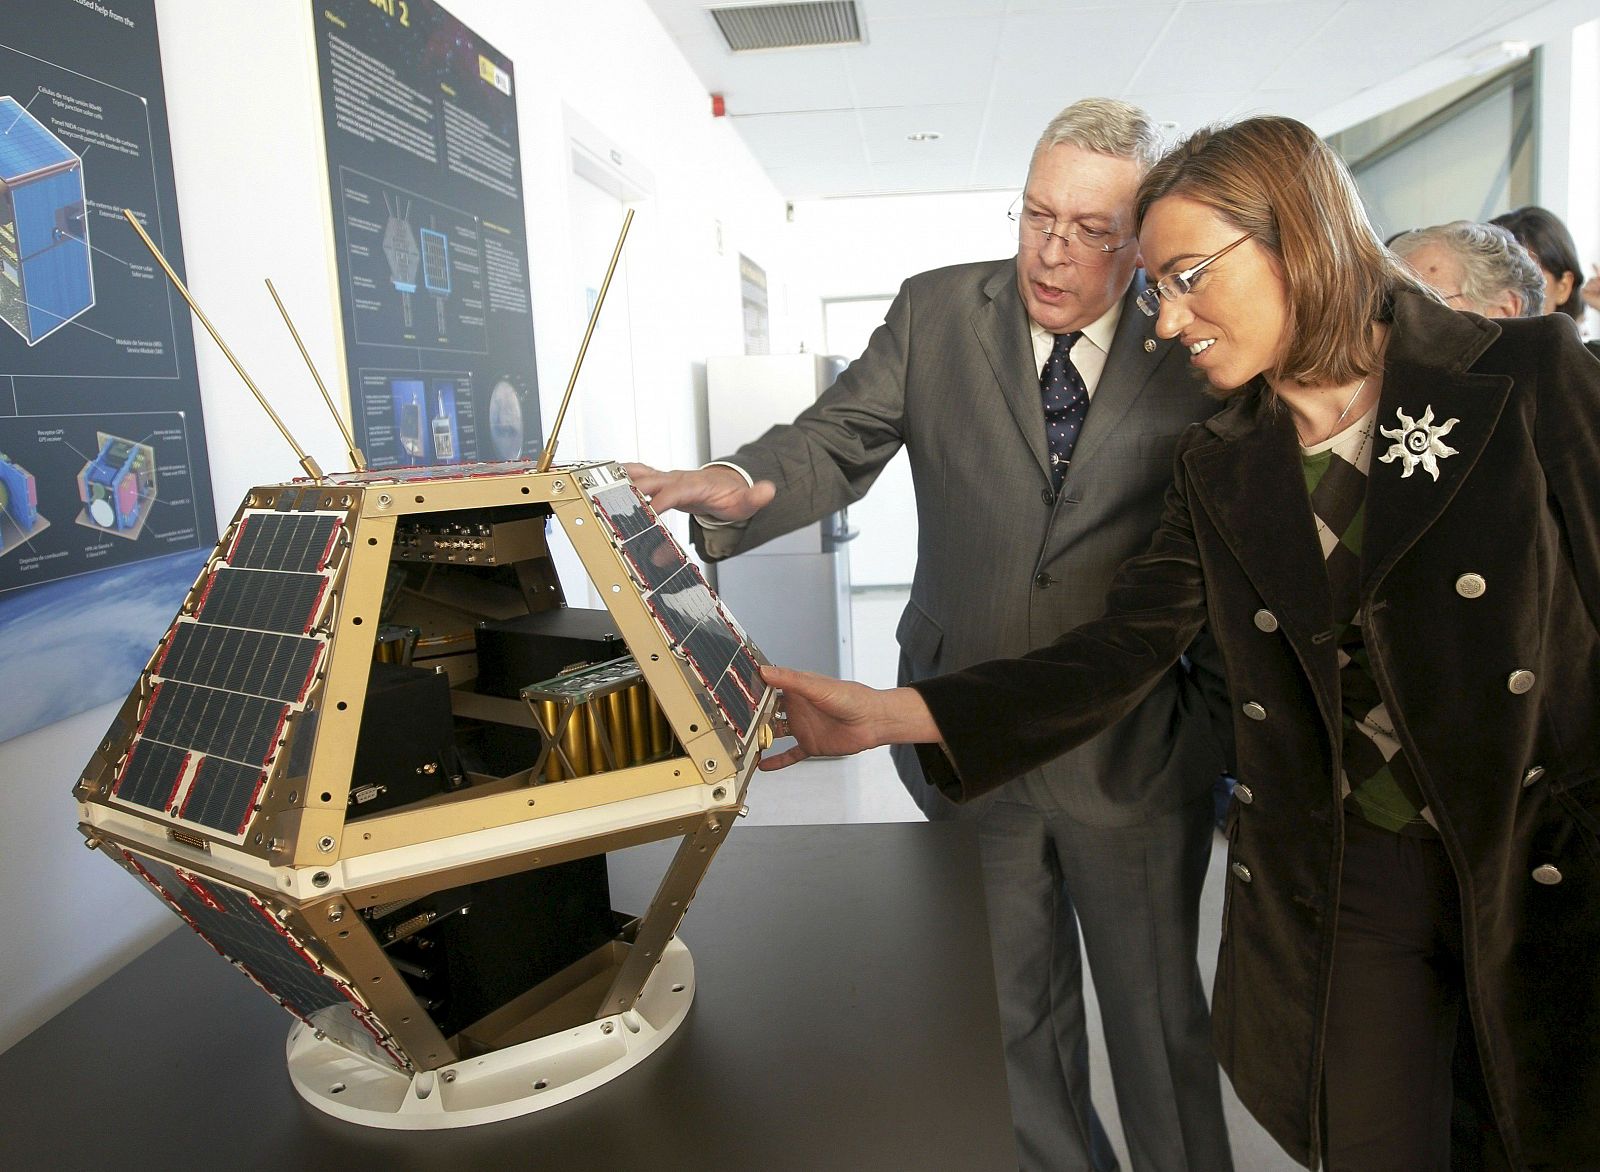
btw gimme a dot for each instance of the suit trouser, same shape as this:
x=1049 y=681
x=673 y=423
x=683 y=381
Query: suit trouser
x=1135 y=893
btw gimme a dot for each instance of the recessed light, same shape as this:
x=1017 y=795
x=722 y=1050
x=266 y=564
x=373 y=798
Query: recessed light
x=924 y=136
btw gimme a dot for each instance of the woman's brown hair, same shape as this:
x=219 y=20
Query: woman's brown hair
x=1274 y=178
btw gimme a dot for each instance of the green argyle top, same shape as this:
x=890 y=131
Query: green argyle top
x=1377 y=783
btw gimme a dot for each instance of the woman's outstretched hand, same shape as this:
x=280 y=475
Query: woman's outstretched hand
x=834 y=718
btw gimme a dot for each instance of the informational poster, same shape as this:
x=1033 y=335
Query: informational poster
x=105 y=495
x=425 y=174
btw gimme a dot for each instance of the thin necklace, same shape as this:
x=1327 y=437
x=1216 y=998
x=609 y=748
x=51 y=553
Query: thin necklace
x=1361 y=386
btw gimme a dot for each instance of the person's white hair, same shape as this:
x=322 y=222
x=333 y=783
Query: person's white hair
x=1492 y=262
x=1105 y=126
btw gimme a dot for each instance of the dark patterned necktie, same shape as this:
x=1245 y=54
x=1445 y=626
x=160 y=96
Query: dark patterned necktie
x=1066 y=402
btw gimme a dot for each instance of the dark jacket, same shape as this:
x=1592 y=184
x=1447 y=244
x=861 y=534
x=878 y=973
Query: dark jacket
x=1480 y=603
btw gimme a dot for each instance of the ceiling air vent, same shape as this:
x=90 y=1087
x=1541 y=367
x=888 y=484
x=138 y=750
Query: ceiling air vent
x=749 y=27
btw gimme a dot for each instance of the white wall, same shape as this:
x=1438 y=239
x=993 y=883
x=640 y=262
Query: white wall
x=1569 y=156
x=251 y=190
x=865 y=247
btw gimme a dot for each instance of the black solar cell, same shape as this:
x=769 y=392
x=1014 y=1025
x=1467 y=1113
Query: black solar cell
x=224 y=724
x=222 y=795
x=151 y=775
x=261 y=599
x=241 y=928
x=258 y=663
x=624 y=510
x=296 y=542
x=684 y=607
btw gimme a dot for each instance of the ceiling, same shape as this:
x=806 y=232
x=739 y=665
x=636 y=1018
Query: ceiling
x=986 y=75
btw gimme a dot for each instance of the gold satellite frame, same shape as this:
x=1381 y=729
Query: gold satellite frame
x=334 y=770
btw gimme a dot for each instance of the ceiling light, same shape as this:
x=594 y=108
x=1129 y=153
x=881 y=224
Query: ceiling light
x=924 y=136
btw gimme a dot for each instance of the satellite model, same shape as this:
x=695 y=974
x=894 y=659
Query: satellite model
x=376 y=762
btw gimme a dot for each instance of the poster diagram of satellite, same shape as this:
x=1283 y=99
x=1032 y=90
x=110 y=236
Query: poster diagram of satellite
x=118 y=486
x=400 y=246
x=436 y=261
x=20 y=518
x=46 y=278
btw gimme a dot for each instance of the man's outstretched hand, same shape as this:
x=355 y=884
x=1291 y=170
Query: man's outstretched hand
x=835 y=718
x=715 y=491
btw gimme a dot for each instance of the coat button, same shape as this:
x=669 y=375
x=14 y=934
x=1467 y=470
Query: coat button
x=1242 y=872
x=1532 y=775
x=1043 y=580
x=1253 y=710
x=1520 y=681
x=1048 y=497
x=1471 y=585
x=1243 y=793
x=1547 y=874
x=1266 y=621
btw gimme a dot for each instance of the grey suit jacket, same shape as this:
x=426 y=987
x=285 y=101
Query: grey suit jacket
x=1003 y=566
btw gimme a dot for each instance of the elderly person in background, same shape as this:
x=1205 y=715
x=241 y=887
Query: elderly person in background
x=1478 y=267
x=1547 y=240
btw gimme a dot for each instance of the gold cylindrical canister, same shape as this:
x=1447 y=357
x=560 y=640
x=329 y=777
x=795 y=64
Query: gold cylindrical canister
x=660 y=730
x=575 y=743
x=616 y=710
x=549 y=713
x=595 y=735
x=638 y=723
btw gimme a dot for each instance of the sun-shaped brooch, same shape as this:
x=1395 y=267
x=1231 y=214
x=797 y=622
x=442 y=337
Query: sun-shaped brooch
x=1418 y=441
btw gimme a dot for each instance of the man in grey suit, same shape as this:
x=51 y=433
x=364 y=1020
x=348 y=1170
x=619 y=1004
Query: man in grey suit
x=1040 y=418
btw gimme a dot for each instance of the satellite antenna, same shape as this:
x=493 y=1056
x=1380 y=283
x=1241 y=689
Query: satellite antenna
x=549 y=453
x=357 y=460
x=312 y=469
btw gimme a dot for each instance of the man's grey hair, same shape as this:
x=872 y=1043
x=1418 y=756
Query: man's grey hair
x=1492 y=262
x=1105 y=126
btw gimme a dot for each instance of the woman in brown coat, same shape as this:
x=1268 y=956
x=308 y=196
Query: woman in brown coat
x=1393 y=530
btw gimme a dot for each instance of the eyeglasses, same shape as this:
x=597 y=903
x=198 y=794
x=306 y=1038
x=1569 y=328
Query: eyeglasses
x=1085 y=246
x=1179 y=284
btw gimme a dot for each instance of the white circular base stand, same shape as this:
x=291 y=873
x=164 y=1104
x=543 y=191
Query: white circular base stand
x=500 y=1085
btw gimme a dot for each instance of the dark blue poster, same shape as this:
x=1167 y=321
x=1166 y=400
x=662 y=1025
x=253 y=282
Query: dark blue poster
x=105 y=491
x=425 y=174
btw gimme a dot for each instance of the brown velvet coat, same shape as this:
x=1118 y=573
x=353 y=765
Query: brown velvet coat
x=1511 y=774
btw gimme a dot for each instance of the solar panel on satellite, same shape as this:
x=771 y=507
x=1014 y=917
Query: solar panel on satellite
x=227 y=680
x=151 y=774
x=653 y=558
x=222 y=794
x=297 y=542
x=240 y=927
x=256 y=663
x=222 y=724
x=625 y=510
x=261 y=599
x=682 y=604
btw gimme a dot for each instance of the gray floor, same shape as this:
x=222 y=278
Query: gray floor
x=865 y=789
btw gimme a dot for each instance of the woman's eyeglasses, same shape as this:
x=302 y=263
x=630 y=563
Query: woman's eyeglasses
x=1179 y=284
